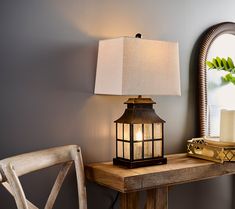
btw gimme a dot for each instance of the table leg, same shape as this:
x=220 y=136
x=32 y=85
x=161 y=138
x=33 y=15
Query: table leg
x=129 y=200
x=157 y=198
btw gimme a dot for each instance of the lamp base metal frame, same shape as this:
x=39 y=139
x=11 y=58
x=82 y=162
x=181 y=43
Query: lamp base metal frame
x=139 y=163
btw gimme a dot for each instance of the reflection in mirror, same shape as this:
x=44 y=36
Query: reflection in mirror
x=214 y=92
x=220 y=94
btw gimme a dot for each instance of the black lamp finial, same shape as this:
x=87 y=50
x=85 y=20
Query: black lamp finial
x=138 y=35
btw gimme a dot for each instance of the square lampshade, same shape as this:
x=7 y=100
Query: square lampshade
x=134 y=66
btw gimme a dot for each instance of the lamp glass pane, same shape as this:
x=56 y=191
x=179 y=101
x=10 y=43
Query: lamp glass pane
x=148 y=149
x=119 y=131
x=127 y=132
x=137 y=150
x=138 y=132
x=120 y=149
x=157 y=148
x=157 y=130
x=127 y=150
x=147 y=131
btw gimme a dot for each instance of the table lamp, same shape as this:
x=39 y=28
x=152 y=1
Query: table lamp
x=136 y=66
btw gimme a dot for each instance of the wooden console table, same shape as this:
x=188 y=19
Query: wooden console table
x=154 y=179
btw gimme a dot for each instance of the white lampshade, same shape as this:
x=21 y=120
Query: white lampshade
x=134 y=66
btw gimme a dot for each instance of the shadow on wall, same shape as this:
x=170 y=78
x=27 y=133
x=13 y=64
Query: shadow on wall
x=44 y=81
x=77 y=68
x=100 y=197
x=202 y=194
x=68 y=69
x=193 y=78
x=193 y=89
x=48 y=100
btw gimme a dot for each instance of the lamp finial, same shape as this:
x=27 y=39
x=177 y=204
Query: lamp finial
x=138 y=35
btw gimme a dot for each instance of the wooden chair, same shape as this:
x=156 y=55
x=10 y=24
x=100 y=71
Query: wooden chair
x=14 y=167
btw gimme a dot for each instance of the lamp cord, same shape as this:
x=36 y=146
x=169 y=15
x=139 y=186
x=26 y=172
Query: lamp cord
x=114 y=201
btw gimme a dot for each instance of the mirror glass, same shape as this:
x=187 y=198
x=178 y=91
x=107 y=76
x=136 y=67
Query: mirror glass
x=220 y=94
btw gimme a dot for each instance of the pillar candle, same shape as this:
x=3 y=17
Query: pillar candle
x=227 y=126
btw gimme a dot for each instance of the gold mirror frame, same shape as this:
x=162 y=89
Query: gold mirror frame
x=208 y=38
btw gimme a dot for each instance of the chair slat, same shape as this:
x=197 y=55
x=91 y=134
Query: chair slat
x=57 y=185
x=77 y=156
x=8 y=188
x=17 y=189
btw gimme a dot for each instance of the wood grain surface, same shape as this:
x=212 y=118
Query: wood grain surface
x=179 y=169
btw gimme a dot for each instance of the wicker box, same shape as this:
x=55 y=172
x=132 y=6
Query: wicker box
x=211 y=149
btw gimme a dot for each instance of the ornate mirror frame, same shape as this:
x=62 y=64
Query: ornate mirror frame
x=208 y=38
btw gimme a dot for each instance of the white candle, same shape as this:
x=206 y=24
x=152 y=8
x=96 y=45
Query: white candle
x=227 y=126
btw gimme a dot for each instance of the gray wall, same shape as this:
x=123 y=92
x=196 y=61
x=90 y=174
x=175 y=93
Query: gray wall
x=48 y=52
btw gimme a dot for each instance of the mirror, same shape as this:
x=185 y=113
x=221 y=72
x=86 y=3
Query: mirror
x=216 y=89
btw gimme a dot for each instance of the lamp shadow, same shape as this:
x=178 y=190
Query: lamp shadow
x=193 y=99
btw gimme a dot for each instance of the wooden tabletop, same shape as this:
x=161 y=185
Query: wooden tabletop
x=179 y=169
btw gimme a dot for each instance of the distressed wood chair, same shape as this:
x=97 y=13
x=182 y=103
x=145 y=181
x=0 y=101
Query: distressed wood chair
x=14 y=167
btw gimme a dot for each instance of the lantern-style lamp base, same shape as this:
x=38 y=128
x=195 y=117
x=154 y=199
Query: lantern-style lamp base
x=139 y=163
x=139 y=135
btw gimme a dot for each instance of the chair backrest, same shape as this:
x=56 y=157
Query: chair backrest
x=13 y=167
